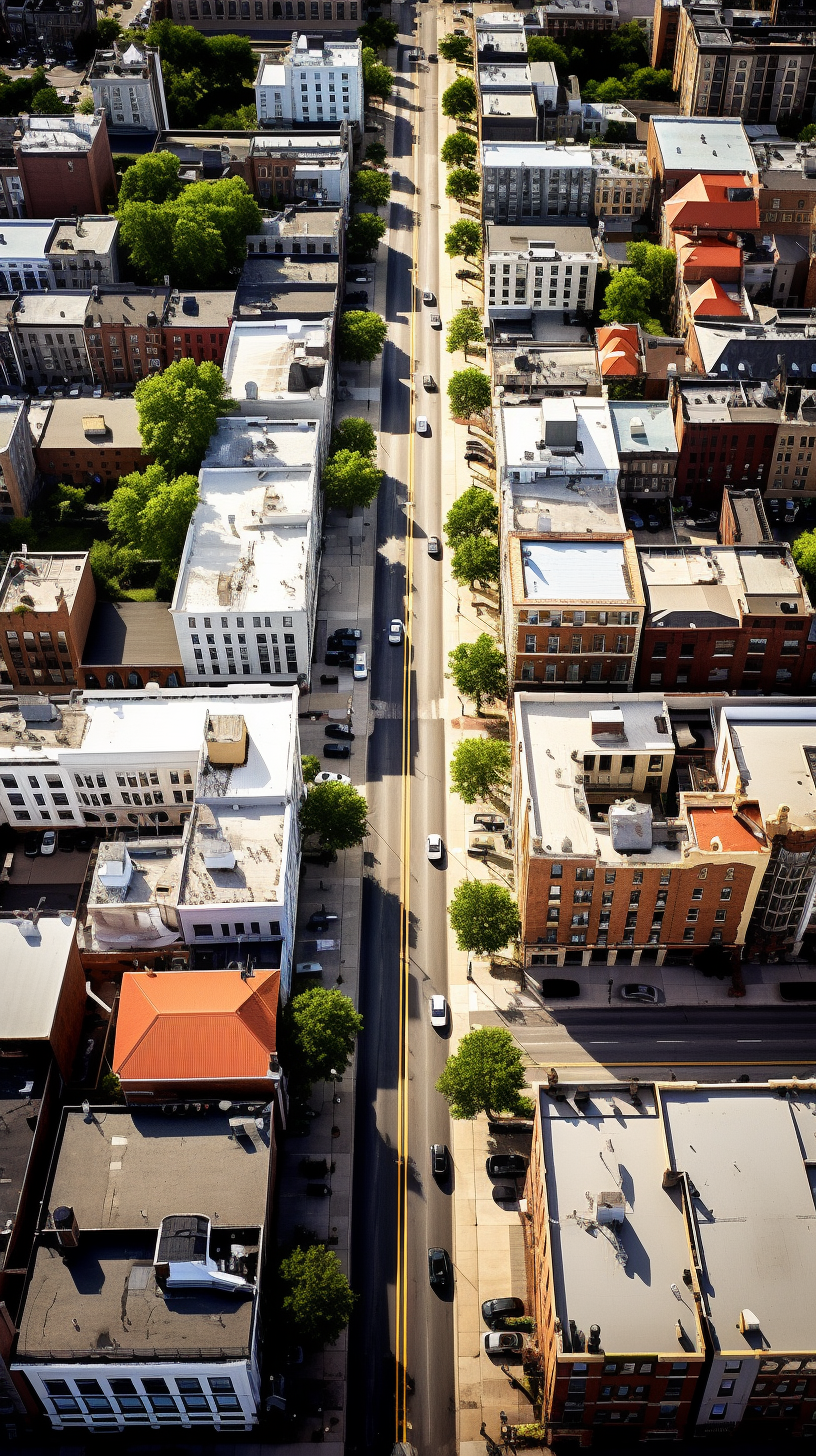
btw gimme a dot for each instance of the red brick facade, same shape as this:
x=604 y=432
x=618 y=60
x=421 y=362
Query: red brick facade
x=772 y=654
x=43 y=649
x=68 y=183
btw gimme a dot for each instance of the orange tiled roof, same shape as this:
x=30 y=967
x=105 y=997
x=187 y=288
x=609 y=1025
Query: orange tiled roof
x=698 y=252
x=618 y=361
x=626 y=333
x=711 y=298
x=720 y=823
x=195 y=1025
x=704 y=202
x=617 y=347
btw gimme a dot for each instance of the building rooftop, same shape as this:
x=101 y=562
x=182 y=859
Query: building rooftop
x=534 y=154
x=131 y=634
x=33 y=960
x=497 y=77
x=527 y=367
x=248 y=842
x=572 y=571
x=715 y=300
x=296 y=222
x=41 y=581
x=266 y=301
x=752 y=351
x=10 y=411
x=710 y=144
x=709 y=401
x=58 y=134
x=299 y=144
x=508 y=103
x=499 y=20
x=278 y=357
x=92 y=424
x=593 y=507
x=282 y=446
x=772 y=746
x=305 y=51
x=195 y=1025
x=569 y=239
x=643 y=426
x=24 y=238
x=622 y=1276
x=65 y=309
x=137 y=307
x=123 y=58
x=283 y=272
x=782 y=163
x=622 y=161
x=713 y=586
x=86 y=235
x=564 y=436
x=200 y=310
x=720 y=200
x=509 y=42
x=749 y=517
x=22 y=1083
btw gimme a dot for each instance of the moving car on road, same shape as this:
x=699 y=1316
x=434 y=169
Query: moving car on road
x=439 y=1160
x=434 y=546
x=395 y=632
x=436 y=848
x=423 y=427
x=439 y=1268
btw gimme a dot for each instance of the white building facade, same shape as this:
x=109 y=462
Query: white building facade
x=316 y=81
x=128 y=88
x=552 y=269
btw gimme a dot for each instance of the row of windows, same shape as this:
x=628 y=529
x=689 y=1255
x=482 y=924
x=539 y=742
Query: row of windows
x=620 y=672
x=239 y=622
x=205 y=930
x=577 y=644
x=579 y=618
x=122 y=1396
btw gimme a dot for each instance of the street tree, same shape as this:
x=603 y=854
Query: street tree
x=462 y=183
x=376 y=154
x=464 y=328
x=107 y=31
x=456 y=48
x=371 y=187
x=310 y=766
x=610 y=90
x=476 y=558
x=473 y=513
x=178 y=410
x=360 y=335
x=152 y=178
x=320 y=1030
x=460 y=149
x=544 y=48
x=151 y=512
x=364 y=231
x=464 y=239
x=377 y=33
x=478 y=670
x=318 y=1300
x=353 y=434
x=459 y=100
x=351 y=479
x=478 y=766
x=627 y=299
x=484 y=917
x=468 y=393
x=378 y=79
x=659 y=267
x=335 y=814
x=486 y=1074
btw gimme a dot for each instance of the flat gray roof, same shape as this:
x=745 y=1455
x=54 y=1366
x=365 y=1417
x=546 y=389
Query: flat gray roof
x=689 y=144
x=656 y=419
x=568 y=238
x=132 y=634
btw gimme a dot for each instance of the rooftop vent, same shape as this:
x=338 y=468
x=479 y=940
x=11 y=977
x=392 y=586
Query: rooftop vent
x=748 y=1322
x=606 y=720
x=227 y=739
x=630 y=825
x=115 y=874
x=609 y=1207
x=636 y=426
x=219 y=855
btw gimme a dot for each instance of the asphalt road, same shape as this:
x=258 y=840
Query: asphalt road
x=428 y=1319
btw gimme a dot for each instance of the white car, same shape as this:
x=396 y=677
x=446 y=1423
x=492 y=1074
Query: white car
x=49 y=842
x=395 y=632
x=439 y=1011
x=360 y=666
x=330 y=778
x=313 y=968
x=423 y=428
x=500 y=1340
x=436 y=848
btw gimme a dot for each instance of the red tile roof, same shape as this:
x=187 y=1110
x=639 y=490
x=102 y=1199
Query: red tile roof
x=618 y=352
x=704 y=203
x=195 y=1025
x=711 y=299
x=720 y=823
x=706 y=253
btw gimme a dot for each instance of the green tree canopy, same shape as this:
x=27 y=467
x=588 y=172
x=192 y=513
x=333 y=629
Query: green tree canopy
x=377 y=33
x=310 y=766
x=459 y=101
x=378 y=79
x=462 y=183
x=455 y=48
x=468 y=393
x=194 y=236
x=86 y=106
x=478 y=766
x=318 y=1300
x=244 y=119
x=609 y=90
x=544 y=48
x=376 y=154
x=464 y=239
x=351 y=479
x=353 y=434
x=484 y=917
x=627 y=299
x=649 y=85
x=46 y=102
x=627 y=44
x=178 y=410
x=107 y=31
x=364 y=231
x=465 y=328
x=616 y=131
x=485 y=1074
x=360 y=336
x=476 y=558
x=320 y=1030
x=659 y=267
x=460 y=149
x=336 y=814
x=112 y=566
x=473 y=513
x=205 y=77
x=804 y=554
x=808 y=132
x=478 y=670
x=151 y=513
x=371 y=187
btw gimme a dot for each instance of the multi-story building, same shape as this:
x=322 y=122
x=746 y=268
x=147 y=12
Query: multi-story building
x=623 y=183
x=603 y=871
x=725 y=65
x=65 y=166
x=664 y=33
x=506 y=103
x=299 y=232
x=130 y=645
x=25 y=265
x=745 y=350
x=276 y=16
x=87 y=440
x=647 y=450
x=626 y=351
x=49 y=337
x=287 y=287
x=681 y=147
x=529 y=371
x=53 y=26
x=533 y=181
x=83 y=252
x=245 y=596
x=717 y=1339
x=126 y=82
x=196 y=326
x=559 y=107
x=315 y=80
x=283 y=370
x=302 y=169
x=563 y=17
x=716 y=203
x=123 y=333
x=543 y=269
x=46 y=603
x=18 y=473
x=501 y=35
x=743 y=521
x=159 y=1235
x=787 y=186
x=725 y=619
x=726 y=433
x=793 y=470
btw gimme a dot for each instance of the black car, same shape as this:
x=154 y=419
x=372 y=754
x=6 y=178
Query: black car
x=31 y=848
x=83 y=841
x=560 y=986
x=797 y=990
x=439 y=1268
x=439 y=1160
x=338 y=730
x=492 y=822
x=327 y=680
x=336 y=750
x=354 y=299
x=506 y=1165
x=355 y=632
x=334 y=658
x=321 y=919
x=65 y=840
x=496 y=1310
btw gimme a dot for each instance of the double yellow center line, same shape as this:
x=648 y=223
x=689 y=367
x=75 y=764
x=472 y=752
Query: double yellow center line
x=401 y=1291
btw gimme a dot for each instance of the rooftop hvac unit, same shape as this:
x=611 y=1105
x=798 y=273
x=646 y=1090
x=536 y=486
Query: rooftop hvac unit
x=609 y=1207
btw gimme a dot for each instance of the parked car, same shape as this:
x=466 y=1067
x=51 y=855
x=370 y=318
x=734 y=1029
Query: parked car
x=355 y=632
x=354 y=276
x=336 y=750
x=436 y=848
x=505 y=1193
x=31 y=847
x=49 y=842
x=338 y=730
x=634 y=520
x=556 y=986
x=492 y=822
x=439 y=1160
x=653 y=523
x=354 y=299
x=309 y=968
x=321 y=920
x=439 y=1268
x=436 y=322
x=439 y=1012
x=506 y=1165
x=495 y=1310
x=342 y=644
x=324 y=777
x=83 y=840
x=634 y=992
x=503 y=1342
x=335 y=658
x=422 y=425
x=797 y=990
x=361 y=667
x=428 y=383
x=428 y=298
x=434 y=546
x=327 y=680
x=65 y=840
x=395 y=632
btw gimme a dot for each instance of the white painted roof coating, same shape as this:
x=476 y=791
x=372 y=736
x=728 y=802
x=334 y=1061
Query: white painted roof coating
x=573 y=571
x=32 y=968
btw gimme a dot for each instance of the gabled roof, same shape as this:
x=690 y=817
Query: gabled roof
x=714 y=202
x=702 y=252
x=618 y=350
x=195 y=1026
x=711 y=299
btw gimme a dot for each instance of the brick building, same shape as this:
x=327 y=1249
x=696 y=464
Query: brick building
x=725 y=618
x=603 y=872
x=680 y=147
x=196 y=326
x=793 y=471
x=86 y=440
x=647 y=450
x=726 y=436
x=65 y=166
x=664 y=33
x=743 y=521
x=18 y=475
x=123 y=333
x=272 y=18
x=46 y=602
x=48 y=331
x=725 y=65
x=130 y=644
x=787 y=186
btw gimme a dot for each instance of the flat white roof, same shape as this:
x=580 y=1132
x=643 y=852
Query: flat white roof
x=534 y=154
x=572 y=571
x=24 y=238
x=769 y=745
x=525 y=425
x=263 y=353
x=32 y=968
x=703 y=144
x=273 y=75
